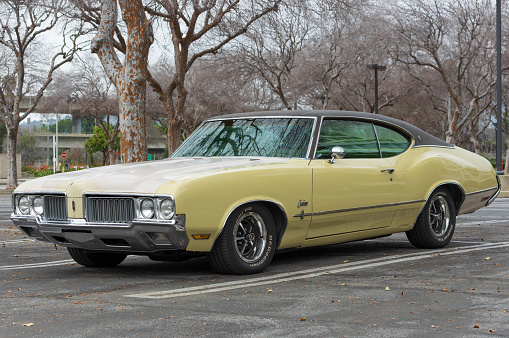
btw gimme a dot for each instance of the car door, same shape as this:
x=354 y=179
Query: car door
x=355 y=193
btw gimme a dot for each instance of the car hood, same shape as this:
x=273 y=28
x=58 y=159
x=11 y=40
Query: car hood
x=144 y=177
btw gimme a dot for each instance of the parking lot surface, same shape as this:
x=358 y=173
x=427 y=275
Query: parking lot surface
x=375 y=288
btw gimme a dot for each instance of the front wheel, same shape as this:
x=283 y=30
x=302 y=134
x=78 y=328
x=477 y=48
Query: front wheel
x=96 y=259
x=247 y=242
x=435 y=226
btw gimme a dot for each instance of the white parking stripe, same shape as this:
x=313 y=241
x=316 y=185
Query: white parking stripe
x=17 y=241
x=36 y=265
x=469 y=224
x=310 y=273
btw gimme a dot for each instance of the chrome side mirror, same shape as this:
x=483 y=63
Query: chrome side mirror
x=336 y=153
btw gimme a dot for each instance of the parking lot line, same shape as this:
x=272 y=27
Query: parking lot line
x=36 y=265
x=310 y=273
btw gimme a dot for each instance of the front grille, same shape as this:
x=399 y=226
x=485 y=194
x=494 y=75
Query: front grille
x=55 y=208
x=109 y=209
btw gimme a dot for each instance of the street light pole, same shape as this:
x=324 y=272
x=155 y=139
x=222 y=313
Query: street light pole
x=376 y=67
x=499 y=89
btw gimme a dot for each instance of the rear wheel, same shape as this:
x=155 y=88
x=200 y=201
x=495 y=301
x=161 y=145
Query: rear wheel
x=96 y=259
x=247 y=243
x=436 y=223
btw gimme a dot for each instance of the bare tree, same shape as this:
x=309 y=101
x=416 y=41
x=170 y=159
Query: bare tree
x=91 y=97
x=270 y=50
x=199 y=28
x=455 y=40
x=23 y=23
x=129 y=76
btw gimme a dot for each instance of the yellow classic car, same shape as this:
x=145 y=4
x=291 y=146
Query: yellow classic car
x=245 y=185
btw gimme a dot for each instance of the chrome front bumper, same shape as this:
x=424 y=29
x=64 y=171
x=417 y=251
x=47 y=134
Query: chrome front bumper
x=136 y=237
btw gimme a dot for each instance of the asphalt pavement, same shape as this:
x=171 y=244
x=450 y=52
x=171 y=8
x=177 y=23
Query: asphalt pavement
x=375 y=288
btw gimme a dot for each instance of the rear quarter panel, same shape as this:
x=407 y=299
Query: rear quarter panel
x=421 y=170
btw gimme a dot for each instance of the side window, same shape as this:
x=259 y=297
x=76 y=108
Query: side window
x=357 y=138
x=392 y=142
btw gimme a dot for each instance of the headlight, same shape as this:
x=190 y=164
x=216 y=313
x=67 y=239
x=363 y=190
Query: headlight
x=37 y=205
x=24 y=205
x=147 y=208
x=167 y=208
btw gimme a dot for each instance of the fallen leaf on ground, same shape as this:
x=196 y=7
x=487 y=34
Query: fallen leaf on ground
x=28 y=324
x=302 y=319
x=446 y=290
x=476 y=326
x=387 y=288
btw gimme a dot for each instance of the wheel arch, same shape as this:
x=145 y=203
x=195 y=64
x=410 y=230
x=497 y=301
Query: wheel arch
x=278 y=214
x=457 y=192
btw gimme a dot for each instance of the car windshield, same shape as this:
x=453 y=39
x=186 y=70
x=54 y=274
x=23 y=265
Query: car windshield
x=268 y=137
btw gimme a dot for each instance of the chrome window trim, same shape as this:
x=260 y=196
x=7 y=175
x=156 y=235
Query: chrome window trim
x=373 y=123
x=378 y=141
x=433 y=146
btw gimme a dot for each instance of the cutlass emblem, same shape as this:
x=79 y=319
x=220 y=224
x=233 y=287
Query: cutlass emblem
x=302 y=203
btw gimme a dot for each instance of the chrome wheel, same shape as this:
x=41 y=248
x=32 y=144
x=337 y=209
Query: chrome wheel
x=439 y=215
x=435 y=225
x=247 y=243
x=251 y=237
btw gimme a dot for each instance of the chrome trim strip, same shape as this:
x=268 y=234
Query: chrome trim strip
x=481 y=191
x=356 y=209
x=83 y=223
x=345 y=233
x=434 y=146
x=318 y=130
x=496 y=194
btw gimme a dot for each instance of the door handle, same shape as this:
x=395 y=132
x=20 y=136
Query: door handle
x=390 y=171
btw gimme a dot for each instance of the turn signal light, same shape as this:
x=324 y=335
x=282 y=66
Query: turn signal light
x=201 y=236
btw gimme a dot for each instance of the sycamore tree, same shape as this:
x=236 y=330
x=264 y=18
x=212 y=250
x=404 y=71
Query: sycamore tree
x=191 y=30
x=129 y=76
x=25 y=70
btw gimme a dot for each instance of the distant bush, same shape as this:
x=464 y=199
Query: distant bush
x=44 y=170
x=37 y=171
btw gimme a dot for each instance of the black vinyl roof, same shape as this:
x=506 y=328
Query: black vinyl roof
x=421 y=138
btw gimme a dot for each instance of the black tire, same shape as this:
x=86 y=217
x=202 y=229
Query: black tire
x=435 y=225
x=247 y=243
x=96 y=259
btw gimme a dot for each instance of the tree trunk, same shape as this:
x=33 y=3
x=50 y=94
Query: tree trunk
x=129 y=78
x=477 y=145
x=111 y=151
x=133 y=141
x=174 y=134
x=12 y=173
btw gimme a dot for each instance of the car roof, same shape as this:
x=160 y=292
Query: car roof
x=420 y=137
